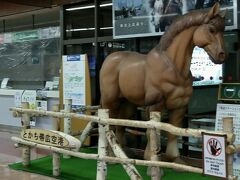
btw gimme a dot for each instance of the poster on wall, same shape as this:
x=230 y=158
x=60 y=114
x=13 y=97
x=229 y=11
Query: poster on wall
x=138 y=18
x=230 y=110
x=134 y=18
x=74 y=80
x=204 y=71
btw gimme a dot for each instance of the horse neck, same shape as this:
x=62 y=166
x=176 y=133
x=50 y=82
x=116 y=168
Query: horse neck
x=180 y=51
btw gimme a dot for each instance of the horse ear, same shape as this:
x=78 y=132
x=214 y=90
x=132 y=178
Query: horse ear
x=214 y=10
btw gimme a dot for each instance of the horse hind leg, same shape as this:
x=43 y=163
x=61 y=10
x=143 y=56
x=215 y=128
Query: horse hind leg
x=126 y=111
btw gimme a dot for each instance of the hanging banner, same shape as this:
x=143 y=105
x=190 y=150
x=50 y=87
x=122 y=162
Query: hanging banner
x=74 y=80
x=138 y=18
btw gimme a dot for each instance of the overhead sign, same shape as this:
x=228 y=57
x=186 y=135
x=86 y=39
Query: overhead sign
x=214 y=155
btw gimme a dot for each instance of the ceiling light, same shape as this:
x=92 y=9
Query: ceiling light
x=87 y=29
x=87 y=7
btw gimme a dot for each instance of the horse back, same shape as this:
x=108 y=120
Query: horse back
x=122 y=75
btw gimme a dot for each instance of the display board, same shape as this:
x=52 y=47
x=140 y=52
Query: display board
x=79 y=86
x=230 y=110
x=74 y=80
x=138 y=18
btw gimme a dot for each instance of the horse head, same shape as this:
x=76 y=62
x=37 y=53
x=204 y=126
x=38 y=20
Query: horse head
x=209 y=35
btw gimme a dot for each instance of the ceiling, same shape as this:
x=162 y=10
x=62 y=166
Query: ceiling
x=13 y=7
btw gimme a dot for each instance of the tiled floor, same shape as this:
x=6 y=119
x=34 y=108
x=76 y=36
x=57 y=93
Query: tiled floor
x=9 y=154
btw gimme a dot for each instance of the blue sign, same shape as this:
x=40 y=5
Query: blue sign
x=74 y=58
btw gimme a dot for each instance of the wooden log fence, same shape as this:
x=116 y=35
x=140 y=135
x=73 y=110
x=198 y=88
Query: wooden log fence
x=197 y=133
x=106 y=136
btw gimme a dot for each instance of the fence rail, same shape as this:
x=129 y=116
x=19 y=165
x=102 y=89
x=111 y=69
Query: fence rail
x=106 y=136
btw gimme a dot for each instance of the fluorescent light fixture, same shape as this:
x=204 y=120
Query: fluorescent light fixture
x=87 y=29
x=79 y=8
x=104 y=28
x=105 y=5
x=88 y=7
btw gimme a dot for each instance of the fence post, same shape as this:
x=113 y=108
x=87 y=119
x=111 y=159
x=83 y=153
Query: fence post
x=117 y=150
x=155 y=145
x=56 y=163
x=102 y=145
x=55 y=121
x=86 y=132
x=67 y=121
x=26 y=150
x=228 y=128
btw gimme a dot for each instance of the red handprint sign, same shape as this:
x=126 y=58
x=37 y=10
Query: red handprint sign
x=214 y=147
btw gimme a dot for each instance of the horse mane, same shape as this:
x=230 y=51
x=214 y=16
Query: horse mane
x=194 y=18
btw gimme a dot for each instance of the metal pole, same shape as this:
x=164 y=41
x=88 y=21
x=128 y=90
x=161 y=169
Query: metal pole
x=98 y=63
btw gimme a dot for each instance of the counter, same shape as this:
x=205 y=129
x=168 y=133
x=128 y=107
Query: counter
x=7 y=101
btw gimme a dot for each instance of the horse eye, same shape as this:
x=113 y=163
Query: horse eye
x=212 y=30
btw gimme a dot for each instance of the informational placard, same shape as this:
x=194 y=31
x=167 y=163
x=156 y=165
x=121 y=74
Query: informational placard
x=214 y=155
x=18 y=98
x=41 y=100
x=74 y=81
x=30 y=97
x=230 y=110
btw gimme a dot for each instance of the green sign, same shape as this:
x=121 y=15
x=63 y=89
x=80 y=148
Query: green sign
x=25 y=36
x=229 y=92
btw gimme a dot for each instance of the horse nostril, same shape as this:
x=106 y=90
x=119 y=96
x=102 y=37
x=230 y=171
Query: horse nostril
x=221 y=56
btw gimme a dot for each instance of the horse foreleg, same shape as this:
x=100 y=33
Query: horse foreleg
x=176 y=118
x=157 y=107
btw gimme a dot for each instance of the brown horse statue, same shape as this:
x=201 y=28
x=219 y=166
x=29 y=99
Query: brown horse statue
x=162 y=78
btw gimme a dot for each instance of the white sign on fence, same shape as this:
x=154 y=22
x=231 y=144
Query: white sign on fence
x=230 y=110
x=214 y=155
